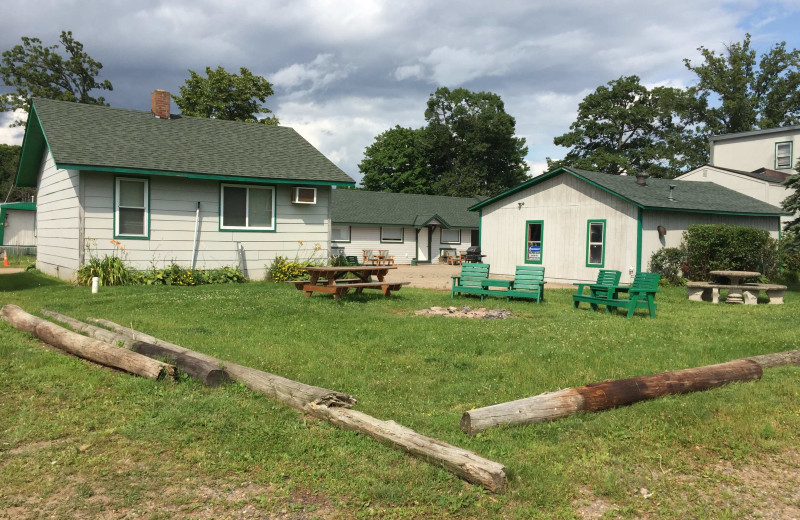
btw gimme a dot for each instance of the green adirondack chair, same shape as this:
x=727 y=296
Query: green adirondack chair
x=641 y=295
x=528 y=283
x=469 y=281
x=607 y=279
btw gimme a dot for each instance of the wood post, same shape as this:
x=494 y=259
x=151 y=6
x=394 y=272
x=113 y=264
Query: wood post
x=86 y=348
x=210 y=374
x=609 y=394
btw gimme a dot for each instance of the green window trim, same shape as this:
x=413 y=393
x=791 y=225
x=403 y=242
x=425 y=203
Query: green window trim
x=245 y=228
x=349 y=234
x=528 y=242
x=589 y=243
x=789 y=156
x=115 y=213
x=393 y=240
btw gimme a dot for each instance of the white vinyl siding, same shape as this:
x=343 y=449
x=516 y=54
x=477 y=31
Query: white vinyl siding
x=20 y=228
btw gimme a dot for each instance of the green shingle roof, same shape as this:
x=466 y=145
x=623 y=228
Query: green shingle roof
x=705 y=197
x=113 y=138
x=402 y=209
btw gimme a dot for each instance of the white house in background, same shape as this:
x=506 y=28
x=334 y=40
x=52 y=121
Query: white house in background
x=18 y=227
x=199 y=192
x=409 y=226
x=755 y=163
x=575 y=222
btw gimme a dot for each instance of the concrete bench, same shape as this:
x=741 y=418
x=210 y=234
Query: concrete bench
x=709 y=292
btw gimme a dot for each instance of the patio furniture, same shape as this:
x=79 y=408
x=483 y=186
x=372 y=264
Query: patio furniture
x=369 y=257
x=330 y=280
x=641 y=295
x=470 y=280
x=384 y=258
x=352 y=260
x=607 y=279
x=449 y=256
x=735 y=285
x=528 y=283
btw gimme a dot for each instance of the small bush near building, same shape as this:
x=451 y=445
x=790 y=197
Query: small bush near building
x=714 y=247
x=668 y=262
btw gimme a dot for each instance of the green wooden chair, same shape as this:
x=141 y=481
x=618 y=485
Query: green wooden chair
x=528 y=283
x=641 y=295
x=352 y=260
x=607 y=279
x=469 y=281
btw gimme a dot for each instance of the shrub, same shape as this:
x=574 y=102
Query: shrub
x=712 y=247
x=174 y=274
x=667 y=262
x=111 y=269
x=283 y=269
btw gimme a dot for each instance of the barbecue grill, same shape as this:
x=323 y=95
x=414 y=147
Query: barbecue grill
x=473 y=254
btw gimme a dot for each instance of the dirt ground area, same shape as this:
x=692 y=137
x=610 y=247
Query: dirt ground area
x=439 y=276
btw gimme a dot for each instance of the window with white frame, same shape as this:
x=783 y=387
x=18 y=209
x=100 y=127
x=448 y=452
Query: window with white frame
x=131 y=207
x=391 y=234
x=783 y=155
x=250 y=208
x=340 y=234
x=451 y=236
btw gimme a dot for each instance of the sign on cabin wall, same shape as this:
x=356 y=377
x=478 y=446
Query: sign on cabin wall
x=534 y=253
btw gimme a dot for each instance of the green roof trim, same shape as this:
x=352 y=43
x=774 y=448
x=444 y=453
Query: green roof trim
x=379 y=208
x=98 y=138
x=25 y=206
x=688 y=196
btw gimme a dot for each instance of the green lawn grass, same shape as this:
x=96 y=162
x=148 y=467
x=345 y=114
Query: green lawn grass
x=80 y=440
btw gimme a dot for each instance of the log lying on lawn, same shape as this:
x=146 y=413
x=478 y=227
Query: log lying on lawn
x=466 y=464
x=609 y=394
x=295 y=394
x=333 y=406
x=86 y=348
x=210 y=374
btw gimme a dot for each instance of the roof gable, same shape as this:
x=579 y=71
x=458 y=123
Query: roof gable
x=693 y=196
x=402 y=209
x=112 y=139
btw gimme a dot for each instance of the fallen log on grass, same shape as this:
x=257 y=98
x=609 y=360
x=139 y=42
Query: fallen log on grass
x=463 y=463
x=210 y=374
x=86 y=348
x=609 y=394
x=295 y=394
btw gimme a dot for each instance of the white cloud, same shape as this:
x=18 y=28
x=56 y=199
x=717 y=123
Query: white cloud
x=409 y=71
x=309 y=77
x=12 y=135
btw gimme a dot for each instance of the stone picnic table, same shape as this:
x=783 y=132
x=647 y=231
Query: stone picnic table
x=738 y=292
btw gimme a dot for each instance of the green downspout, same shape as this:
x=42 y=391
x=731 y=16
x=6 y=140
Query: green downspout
x=639 y=220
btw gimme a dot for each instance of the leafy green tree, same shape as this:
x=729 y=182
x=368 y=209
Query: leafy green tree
x=624 y=127
x=471 y=145
x=396 y=162
x=752 y=92
x=9 y=159
x=38 y=71
x=225 y=95
x=792 y=205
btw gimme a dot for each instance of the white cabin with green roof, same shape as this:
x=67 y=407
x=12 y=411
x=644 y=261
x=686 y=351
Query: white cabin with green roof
x=169 y=188
x=410 y=226
x=575 y=222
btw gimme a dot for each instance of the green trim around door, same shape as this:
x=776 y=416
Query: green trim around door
x=639 y=224
x=603 y=243
x=541 y=241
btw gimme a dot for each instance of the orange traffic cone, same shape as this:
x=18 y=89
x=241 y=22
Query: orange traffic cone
x=5 y=258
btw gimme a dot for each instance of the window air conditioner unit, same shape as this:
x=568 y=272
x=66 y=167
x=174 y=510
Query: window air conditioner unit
x=304 y=195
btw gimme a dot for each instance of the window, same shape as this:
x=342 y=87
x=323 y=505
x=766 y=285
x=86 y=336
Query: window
x=249 y=208
x=304 y=195
x=340 y=234
x=131 y=208
x=783 y=155
x=391 y=234
x=595 y=243
x=533 y=241
x=451 y=236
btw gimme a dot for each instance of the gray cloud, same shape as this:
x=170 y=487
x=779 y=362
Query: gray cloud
x=345 y=71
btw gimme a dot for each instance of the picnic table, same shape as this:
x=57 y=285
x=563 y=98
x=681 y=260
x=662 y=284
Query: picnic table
x=735 y=287
x=331 y=280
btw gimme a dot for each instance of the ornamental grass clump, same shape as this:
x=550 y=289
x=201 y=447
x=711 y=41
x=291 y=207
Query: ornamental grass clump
x=110 y=269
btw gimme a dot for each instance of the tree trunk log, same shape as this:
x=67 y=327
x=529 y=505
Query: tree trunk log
x=86 y=348
x=209 y=374
x=333 y=406
x=609 y=394
x=790 y=357
x=295 y=394
x=466 y=464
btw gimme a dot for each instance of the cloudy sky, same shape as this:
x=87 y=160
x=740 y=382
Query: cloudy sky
x=345 y=71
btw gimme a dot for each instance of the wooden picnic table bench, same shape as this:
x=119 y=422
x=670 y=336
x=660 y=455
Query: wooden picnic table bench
x=330 y=280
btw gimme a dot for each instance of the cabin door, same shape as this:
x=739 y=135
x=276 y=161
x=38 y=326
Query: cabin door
x=423 y=245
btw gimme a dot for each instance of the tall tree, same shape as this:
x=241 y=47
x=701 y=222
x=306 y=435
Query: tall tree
x=471 y=145
x=225 y=95
x=752 y=93
x=624 y=127
x=38 y=71
x=396 y=162
x=792 y=205
x=9 y=159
